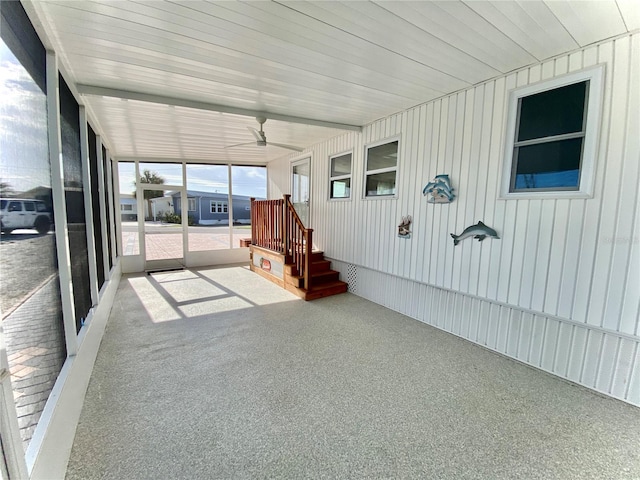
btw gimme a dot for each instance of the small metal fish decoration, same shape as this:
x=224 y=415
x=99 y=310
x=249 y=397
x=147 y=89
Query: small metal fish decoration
x=479 y=231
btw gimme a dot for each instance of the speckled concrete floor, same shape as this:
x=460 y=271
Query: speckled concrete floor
x=217 y=373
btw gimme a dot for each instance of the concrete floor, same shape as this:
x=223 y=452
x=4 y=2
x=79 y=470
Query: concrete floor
x=217 y=373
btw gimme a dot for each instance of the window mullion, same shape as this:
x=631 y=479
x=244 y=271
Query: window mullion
x=382 y=170
x=340 y=177
x=554 y=138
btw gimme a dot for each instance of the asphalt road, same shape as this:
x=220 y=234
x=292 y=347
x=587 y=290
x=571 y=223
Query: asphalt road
x=26 y=261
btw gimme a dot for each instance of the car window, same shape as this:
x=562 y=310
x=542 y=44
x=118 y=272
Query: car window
x=29 y=206
x=41 y=207
x=3 y=203
x=15 y=207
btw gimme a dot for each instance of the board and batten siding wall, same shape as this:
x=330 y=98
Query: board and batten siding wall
x=560 y=290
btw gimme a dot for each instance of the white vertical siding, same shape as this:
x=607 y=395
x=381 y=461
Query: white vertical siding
x=561 y=288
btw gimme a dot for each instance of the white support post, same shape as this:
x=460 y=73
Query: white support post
x=230 y=204
x=103 y=208
x=184 y=208
x=140 y=205
x=116 y=210
x=59 y=204
x=111 y=207
x=88 y=206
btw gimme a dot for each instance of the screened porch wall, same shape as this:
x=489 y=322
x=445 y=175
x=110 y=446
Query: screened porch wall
x=574 y=261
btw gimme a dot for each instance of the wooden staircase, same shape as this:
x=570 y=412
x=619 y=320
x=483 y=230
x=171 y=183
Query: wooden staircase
x=279 y=252
x=324 y=281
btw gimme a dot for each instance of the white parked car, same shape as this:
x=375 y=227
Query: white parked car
x=18 y=213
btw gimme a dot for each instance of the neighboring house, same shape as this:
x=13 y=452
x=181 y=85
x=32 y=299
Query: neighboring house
x=208 y=208
x=159 y=207
x=128 y=208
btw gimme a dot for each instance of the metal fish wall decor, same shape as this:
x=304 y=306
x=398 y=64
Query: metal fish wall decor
x=479 y=231
x=439 y=190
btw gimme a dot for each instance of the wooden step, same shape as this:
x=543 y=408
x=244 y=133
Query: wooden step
x=324 y=277
x=320 y=266
x=317 y=278
x=317 y=256
x=325 y=290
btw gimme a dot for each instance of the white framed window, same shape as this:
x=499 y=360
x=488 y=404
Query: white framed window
x=219 y=207
x=552 y=135
x=126 y=207
x=192 y=204
x=340 y=176
x=381 y=168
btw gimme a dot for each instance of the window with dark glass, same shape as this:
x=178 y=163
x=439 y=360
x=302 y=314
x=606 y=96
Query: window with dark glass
x=550 y=132
x=74 y=199
x=340 y=176
x=95 y=203
x=106 y=165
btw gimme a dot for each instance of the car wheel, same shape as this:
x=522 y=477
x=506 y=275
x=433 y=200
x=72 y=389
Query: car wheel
x=42 y=225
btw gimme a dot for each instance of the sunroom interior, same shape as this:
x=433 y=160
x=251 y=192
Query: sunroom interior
x=511 y=126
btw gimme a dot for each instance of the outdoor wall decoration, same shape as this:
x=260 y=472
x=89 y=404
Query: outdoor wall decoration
x=439 y=190
x=403 y=228
x=265 y=264
x=270 y=266
x=479 y=231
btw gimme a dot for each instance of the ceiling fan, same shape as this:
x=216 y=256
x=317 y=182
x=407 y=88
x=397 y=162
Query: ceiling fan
x=261 y=138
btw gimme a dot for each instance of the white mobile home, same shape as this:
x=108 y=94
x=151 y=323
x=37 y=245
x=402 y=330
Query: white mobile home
x=560 y=289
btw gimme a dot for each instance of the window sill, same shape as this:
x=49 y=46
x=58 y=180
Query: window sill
x=544 y=195
x=382 y=197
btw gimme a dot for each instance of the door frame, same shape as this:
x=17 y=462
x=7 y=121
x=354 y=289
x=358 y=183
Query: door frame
x=301 y=160
x=172 y=262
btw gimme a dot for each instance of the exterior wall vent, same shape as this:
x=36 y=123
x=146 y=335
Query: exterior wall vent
x=352 y=278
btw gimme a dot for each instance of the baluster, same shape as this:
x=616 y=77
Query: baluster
x=270 y=224
x=308 y=251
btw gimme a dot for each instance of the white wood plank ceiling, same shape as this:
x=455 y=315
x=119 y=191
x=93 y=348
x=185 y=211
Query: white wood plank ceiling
x=170 y=79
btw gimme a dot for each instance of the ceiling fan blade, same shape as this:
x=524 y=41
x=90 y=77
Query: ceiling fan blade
x=288 y=147
x=240 y=144
x=256 y=134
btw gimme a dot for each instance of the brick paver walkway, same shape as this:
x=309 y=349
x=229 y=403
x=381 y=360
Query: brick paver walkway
x=168 y=244
x=36 y=351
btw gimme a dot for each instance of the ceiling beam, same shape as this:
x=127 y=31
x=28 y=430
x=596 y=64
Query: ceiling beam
x=92 y=90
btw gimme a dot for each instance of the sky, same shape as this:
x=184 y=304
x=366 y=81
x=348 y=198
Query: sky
x=247 y=181
x=24 y=143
